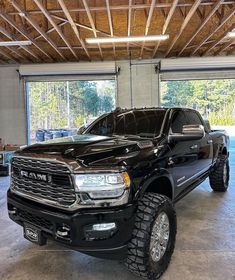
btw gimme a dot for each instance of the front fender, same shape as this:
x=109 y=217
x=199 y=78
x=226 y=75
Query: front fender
x=151 y=177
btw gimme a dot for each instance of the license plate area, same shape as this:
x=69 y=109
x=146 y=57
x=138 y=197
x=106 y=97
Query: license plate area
x=34 y=234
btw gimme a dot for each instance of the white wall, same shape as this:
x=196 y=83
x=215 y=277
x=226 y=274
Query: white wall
x=145 y=84
x=12 y=107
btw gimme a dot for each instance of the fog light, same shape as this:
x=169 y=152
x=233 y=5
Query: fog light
x=104 y=226
x=13 y=211
x=63 y=231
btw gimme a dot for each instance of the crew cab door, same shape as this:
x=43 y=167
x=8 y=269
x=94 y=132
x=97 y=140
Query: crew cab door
x=183 y=155
x=205 y=145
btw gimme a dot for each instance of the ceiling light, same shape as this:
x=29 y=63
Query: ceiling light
x=105 y=40
x=231 y=34
x=22 y=14
x=15 y=43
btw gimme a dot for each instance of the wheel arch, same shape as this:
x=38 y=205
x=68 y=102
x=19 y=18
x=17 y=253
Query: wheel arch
x=161 y=184
x=224 y=151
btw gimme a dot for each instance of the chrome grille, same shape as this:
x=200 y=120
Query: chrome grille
x=59 y=190
x=40 y=165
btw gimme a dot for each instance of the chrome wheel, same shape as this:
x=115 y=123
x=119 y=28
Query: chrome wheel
x=159 y=237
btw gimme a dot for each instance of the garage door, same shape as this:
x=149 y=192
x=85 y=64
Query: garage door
x=197 y=68
x=63 y=97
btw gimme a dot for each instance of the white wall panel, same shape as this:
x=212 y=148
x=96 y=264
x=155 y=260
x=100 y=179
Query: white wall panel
x=142 y=80
x=12 y=107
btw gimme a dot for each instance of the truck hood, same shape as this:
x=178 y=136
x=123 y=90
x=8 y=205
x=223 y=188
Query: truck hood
x=91 y=149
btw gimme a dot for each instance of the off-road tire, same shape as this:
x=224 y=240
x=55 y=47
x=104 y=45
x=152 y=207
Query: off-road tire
x=218 y=181
x=139 y=260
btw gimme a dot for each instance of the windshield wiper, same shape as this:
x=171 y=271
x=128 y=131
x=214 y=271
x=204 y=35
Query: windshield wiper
x=127 y=135
x=146 y=135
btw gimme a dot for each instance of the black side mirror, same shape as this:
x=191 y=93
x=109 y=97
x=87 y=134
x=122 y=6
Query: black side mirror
x=81 y=129
x=189 y=132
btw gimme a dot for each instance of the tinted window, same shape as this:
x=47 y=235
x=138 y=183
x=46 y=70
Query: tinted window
x=178 y=121
x=193 y=117
x=104 y=126
x=146 y=123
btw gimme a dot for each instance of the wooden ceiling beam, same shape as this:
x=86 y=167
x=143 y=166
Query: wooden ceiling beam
x=74 y=27
x=78 y=24
x=13 y=38
x=9 y=57
x=16 y=53
x=50 y=30
x=231 y=51
x=182 y=12
x=125 y=7
x=90 y=29
x=200 y=14
x=148 y=22
x=220 y=39
x=202 y=24
x=34 y=24
x=91 y=23
x=166 y=23
x=163 y=12
x=207 y=43
x=224 y=20
x=57 y=28
x=82 y=26
x=110 y=25
x=24 y=33
x=9 y=36
x=224 y=47
x=184 y=24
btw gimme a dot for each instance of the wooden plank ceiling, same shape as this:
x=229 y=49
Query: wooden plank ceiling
x=58 y=29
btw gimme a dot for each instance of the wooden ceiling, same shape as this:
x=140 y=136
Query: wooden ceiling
x=58 y=28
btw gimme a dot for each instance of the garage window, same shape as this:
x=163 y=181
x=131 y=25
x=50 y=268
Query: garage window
x=57 y=108
x=213 y=98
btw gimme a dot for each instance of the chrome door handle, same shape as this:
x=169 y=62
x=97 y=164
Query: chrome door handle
x=195 y=146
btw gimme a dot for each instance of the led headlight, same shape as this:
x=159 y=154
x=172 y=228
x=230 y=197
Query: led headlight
x=105 y=185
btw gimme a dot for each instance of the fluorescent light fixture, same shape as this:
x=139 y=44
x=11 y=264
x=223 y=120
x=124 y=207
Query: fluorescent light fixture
x=126 y=39
x=231 y=34
x=15 y=43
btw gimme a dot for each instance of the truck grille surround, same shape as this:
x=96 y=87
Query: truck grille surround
x=57 y=190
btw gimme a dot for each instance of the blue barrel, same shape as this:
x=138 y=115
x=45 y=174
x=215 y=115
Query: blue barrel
x=57 y=133
x=48 y=135
x=64 y=132
x=40 y=135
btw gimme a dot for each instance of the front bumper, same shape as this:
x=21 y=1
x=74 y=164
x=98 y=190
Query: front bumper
x=112 y=245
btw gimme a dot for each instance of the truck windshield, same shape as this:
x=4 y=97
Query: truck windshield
x=142 y=123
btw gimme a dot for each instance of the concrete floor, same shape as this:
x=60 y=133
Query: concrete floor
x=205 y=247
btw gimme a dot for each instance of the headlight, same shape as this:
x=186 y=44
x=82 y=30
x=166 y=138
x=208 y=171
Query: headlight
x=105 y=185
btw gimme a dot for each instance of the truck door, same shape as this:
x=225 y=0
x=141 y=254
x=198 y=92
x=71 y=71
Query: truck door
x=205 y=145
x=183 y=156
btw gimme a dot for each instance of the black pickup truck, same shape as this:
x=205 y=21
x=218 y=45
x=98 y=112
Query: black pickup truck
x=110 y=192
